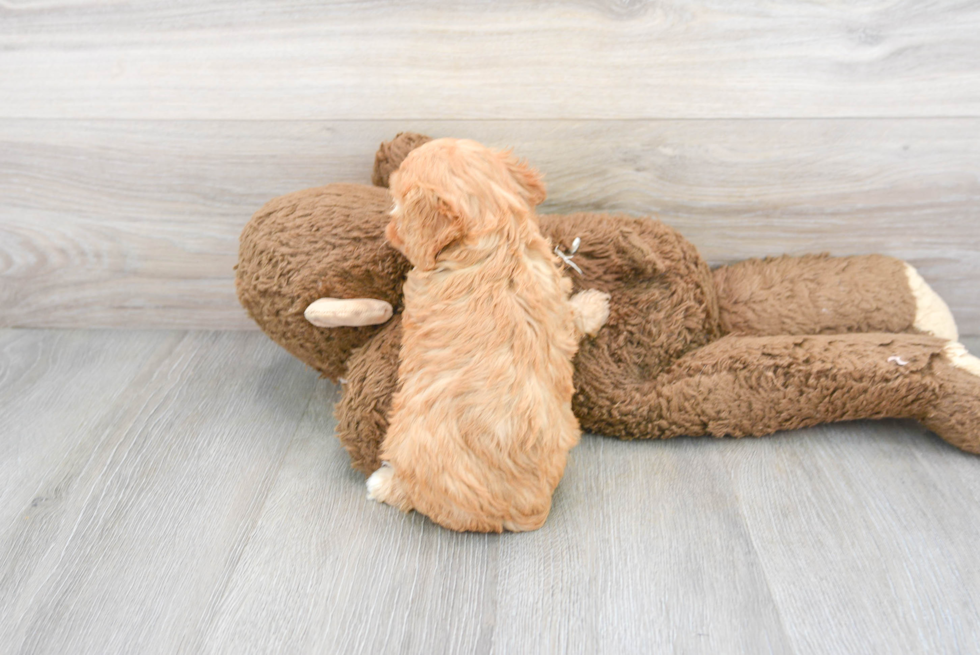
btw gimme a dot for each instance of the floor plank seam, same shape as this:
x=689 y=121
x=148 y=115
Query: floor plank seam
x=213 y=607
x=760 y=561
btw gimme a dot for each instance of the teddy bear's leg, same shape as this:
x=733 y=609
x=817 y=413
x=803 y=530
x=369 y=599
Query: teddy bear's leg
x=956 y=418
x=747 y=385
x=370 y=382
x=818 y=294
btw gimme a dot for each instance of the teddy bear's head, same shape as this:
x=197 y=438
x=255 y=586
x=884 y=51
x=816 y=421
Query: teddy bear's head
x=320 y=255
x=326 y=242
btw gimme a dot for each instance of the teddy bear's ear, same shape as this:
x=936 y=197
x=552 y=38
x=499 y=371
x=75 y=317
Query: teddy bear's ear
x=391 y=154
x=528 y=179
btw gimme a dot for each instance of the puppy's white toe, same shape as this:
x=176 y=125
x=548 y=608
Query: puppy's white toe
x=932 y=315
x=379 y=484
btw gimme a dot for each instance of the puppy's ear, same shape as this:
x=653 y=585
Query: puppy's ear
x=436 y=225
x=527 y=178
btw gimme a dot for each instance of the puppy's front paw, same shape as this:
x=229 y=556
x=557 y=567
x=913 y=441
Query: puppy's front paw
x=591 y=309
x=379 y=484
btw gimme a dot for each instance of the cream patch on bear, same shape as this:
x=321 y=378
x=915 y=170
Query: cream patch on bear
x=932 y=314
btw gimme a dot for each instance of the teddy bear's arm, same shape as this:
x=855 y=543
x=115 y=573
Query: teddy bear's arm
x=818 y=294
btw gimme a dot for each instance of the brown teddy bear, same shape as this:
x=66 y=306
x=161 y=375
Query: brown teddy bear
x=746 y=349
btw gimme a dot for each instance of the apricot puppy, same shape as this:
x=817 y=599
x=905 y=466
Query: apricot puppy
x=482 y=423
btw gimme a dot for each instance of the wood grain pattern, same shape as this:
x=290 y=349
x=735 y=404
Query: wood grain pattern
x=632 y=584
x=517 y=59
x=144 y=513
x=62 y=396
x=354 y=577
x=69 y=374
x=593 y=580
x=164 y=491
x=135 y=224
x=202 y=505
x=875 y=504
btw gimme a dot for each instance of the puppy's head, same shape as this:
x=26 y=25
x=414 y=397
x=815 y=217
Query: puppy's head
x=456 y=190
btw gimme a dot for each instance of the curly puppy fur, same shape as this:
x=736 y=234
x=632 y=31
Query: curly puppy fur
x=481 y=426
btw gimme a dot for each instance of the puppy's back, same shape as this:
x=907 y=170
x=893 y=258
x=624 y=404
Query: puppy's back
x=482 y=424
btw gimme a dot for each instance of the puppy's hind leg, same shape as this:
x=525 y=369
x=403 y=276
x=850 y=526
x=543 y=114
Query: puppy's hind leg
x=383 y=486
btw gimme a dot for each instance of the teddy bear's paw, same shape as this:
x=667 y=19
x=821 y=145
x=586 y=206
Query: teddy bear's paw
x=591 y=309
x=380 y=483
x=932 y=315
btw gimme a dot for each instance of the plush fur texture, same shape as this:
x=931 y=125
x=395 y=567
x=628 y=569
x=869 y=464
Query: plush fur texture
x=747 y=349
x=482 y=422
x=324 y=242
x=391 y=154
x=844 y=294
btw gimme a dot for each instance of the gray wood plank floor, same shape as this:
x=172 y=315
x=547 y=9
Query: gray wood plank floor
x=182 y=492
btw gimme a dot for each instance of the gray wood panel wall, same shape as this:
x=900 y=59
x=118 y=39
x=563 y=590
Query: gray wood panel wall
x=137 y=139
